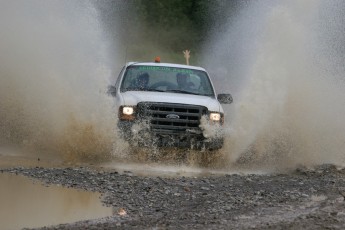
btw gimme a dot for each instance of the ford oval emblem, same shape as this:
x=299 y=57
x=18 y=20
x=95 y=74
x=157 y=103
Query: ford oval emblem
x=173 y=116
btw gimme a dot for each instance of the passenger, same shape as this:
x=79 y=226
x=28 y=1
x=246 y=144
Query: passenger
x=182 y=81
x=143 y=80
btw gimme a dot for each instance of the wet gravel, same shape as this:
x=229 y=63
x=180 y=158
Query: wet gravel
x=302 y=199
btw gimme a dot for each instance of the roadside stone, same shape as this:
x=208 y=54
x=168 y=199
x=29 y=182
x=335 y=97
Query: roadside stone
x=296 y=201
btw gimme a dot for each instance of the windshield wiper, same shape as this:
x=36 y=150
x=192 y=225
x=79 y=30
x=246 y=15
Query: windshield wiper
x=148 y=89
x=154 y=90
x=170 y=91
x=181 y=91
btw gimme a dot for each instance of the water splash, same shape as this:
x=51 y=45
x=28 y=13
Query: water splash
x=287 y=79
x=54 y=70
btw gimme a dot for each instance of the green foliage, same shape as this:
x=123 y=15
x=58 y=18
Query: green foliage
x=165 y=28
x=148 y=28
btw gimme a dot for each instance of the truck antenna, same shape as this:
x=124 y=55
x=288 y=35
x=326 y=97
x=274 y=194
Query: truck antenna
x=126 y=52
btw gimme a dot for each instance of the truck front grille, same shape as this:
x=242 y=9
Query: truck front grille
x=171 y=118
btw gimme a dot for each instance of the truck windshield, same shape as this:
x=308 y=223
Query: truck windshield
x=166 y=79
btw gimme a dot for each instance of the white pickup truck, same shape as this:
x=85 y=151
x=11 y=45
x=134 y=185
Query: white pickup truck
x=169 y=105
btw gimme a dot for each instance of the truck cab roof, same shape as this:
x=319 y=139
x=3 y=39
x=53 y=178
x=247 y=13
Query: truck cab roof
x=165 y=64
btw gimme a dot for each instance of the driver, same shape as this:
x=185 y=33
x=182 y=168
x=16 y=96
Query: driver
x=182 y=81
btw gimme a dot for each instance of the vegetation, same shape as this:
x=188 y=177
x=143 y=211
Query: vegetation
x=149 y=28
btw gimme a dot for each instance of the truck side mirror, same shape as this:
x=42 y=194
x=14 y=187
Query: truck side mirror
x=112 y=90
x=225 y=98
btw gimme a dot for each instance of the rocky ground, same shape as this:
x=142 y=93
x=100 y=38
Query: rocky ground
x=302 y=199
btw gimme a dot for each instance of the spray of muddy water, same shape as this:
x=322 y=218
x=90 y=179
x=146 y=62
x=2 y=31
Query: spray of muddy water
x=54 y=73
x=284 y=62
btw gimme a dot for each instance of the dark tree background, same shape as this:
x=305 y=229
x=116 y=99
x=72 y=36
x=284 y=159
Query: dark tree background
x=144 y=29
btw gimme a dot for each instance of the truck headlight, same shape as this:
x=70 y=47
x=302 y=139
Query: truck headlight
x=127 y=110
x=127 y=113
x=215 y=116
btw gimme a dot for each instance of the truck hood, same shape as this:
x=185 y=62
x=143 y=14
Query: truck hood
x=134 y=97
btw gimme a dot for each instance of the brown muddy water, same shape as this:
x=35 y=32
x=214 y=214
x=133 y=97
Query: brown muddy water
x=29 y=204
x=273 y=57
x=170 y=164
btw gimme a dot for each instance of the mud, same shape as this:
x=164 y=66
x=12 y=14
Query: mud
x=308 y=198
x=283 y=63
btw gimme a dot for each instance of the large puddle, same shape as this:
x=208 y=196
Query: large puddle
x=28 y=204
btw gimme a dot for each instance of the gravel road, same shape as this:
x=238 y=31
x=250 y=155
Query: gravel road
x=302 y=199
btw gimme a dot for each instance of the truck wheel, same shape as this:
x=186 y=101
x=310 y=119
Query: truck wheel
x=205 y=158
x=212 y=159
x=139 y=154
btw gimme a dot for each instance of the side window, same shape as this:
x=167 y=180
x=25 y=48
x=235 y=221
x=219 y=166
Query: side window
x=129 y=79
